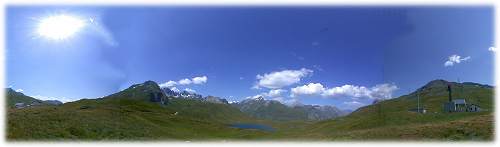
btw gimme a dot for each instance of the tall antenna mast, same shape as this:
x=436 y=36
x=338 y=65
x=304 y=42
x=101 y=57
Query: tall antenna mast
x=418 y=101
x=461 y=89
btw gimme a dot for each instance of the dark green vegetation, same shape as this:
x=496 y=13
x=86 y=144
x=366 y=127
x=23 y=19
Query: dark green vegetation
x=136 y=114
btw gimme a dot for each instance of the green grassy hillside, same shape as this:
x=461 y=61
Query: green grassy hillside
x=128 y=116
x=136 y=114
x=14 y=97
x=391 y=119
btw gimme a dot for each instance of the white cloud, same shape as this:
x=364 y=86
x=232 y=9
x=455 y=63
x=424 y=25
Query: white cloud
x=382 y=91
x=448 y=63
x=275 y=92
x=292 y=102
x=309 y=89
x=279 y=99
x=190 y=90
x=455 y=59
x=199 y=80
x=281 y=79
x=185 y=82
x=19 y=90
x=168 y=84
x=348 y=90
x=492 y=49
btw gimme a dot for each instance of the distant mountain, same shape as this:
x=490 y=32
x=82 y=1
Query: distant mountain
x=53 y=102
x=147 y=91
x=170 y=93
x=439 y=87
x=217 y=100
x=274 y=110
x=145 y=112
x=191 y=95
x=184 y=94
x=317 y=112
x=22 y=100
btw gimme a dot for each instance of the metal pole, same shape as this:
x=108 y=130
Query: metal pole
x=418 y=102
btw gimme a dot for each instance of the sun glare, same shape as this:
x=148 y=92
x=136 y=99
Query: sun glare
x=59 y=27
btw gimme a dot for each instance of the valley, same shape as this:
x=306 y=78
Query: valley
x=147 y=112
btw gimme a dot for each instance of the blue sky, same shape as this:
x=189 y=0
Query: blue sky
x=342 y=56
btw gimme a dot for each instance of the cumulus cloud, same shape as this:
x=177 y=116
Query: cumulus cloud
x=380 y=91
x=348 y=90
x=275 y=93
x=19 y=90
x=309 y=89
x=492 y=49
x=186 y=81
x=199 y=80
x=168 y=84
x=279 y=79
x=455 y=59
x=190 y=90
x=383 y=91
x=279 y=99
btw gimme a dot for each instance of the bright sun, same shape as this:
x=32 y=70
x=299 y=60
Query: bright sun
x=59 y=27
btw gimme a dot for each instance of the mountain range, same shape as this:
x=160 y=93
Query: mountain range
x=147 y=112
x=20 y=100
x=275 y=110
x=267 y=109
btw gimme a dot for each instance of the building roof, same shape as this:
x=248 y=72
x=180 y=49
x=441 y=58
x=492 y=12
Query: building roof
x=459 y=101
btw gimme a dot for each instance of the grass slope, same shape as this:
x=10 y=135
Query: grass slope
x=391 y=119
x=111 y=119
x=128 y=115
